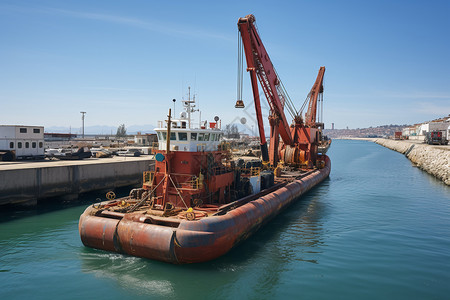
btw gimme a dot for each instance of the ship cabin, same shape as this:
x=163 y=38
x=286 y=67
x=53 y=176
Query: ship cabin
x=183 y=138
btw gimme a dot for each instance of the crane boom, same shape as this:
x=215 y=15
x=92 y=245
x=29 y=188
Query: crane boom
x=300 y=141
x=258 y=62
x=316 y=90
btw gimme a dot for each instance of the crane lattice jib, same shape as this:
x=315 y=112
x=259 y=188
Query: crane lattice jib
x=310 y=116
x=258 y=60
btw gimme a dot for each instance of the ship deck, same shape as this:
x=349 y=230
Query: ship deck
x=119 y=208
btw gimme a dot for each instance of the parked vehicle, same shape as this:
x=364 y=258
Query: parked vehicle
x=7 y=155
x=129 y=152
x=102 y=153
x=54 y=152
x=436 y=138
x=81 y=153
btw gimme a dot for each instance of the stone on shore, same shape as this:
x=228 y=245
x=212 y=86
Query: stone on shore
x=434 y=160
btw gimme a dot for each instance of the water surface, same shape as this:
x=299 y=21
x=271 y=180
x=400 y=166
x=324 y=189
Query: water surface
x=378 y=228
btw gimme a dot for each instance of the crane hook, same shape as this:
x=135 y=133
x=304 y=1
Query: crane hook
x=239 y=104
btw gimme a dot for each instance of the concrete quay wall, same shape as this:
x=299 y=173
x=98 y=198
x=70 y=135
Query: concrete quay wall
x=435 y=160
x=25 y=184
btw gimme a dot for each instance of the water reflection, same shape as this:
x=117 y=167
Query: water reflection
x=293 y=238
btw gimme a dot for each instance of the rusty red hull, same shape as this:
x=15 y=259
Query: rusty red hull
x=192 y=241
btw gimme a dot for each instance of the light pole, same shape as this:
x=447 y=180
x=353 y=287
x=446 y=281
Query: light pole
x=82 y=120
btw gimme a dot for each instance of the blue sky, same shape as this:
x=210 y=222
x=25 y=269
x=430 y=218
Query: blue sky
x=387 y=62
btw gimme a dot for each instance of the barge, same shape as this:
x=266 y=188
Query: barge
x=190 y=235
x=200 y=201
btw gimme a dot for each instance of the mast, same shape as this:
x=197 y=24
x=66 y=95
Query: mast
x=189 y=106
x=167 y=160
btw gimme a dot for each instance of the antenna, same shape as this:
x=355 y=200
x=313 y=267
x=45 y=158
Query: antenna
x=174 y=100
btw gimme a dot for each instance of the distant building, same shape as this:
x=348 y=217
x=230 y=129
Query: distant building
x=433 y=126
x=424 y=128
x=419 y=131
x=25 y=141
x=438 y=126
x=147 y=139
x=411 y=131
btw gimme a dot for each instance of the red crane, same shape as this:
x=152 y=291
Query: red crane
x=315 y=95
x=299 y=140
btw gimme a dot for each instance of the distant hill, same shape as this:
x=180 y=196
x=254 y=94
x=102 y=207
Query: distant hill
x=379 y=131
x=371 y=132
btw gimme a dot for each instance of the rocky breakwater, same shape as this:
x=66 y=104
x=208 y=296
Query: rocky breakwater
x=432 y=159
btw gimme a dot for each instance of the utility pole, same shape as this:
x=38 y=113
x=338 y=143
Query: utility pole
x=82 y=120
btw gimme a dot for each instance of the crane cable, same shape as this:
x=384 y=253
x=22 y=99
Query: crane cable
x=319 y=102
x=304 y=103
x=281 y=89
x=240 y=67
x=289 y=103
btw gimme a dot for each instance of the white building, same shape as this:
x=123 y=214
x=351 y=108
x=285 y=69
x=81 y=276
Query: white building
x=25 y=141
x=424 y=128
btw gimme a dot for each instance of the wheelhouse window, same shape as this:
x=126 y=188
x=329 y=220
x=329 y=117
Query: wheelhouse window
x=182 y=136
x=173 y=136
x=11 y=145
x=201 y=136
x=36 y=130
x=193 y=136
x=164 y=135
x=206 y=137
x=23 y=130
x=213 y=137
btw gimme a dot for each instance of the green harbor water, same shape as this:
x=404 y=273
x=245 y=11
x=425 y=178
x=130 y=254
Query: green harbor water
x=378 y=228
